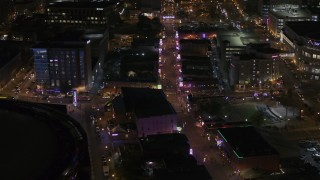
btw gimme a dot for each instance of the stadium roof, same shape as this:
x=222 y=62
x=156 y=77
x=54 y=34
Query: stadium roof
x=41 y=142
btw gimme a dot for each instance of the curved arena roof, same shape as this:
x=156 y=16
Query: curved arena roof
x=39 y=142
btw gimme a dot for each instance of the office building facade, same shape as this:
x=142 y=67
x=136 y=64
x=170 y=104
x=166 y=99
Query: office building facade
x=305 y=45
x=58 y=65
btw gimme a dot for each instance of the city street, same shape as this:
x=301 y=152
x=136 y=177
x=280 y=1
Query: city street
x=301 y=94
x=205 y=151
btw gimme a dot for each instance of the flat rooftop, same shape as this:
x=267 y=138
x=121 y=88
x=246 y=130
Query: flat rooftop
x=246 y=142
x=146 y=102
x=299 y=27
x=198 y=68
x=237 y=38
x=284 y=13
x=139 y=67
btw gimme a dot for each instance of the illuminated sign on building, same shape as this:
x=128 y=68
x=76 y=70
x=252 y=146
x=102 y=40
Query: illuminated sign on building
x=75 y=98
x=314 y=43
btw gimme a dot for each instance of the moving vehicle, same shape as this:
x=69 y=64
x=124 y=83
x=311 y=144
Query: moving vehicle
x=105 y=169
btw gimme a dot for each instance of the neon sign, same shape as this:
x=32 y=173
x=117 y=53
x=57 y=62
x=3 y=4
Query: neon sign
x=75 y=98
x=314 y=43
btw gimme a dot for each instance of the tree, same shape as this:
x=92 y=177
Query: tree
x=65 y=87
x=257 y=118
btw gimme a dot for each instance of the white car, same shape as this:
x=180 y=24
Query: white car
x=316 y=154
x=311 y=149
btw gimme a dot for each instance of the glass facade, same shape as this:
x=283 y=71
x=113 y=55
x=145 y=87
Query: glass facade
x=41 y=66
x=57 y=67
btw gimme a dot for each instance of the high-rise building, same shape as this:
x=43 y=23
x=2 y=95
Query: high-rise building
x=285 y=13
x=305 y=45
x=63 y=64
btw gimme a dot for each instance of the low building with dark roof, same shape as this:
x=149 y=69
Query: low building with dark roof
x=150 y=110
x=161 y=145
x=168 y=157
x=139 y=67
x=194 y=47
x=246 y=149
x=197 y=75
x=196 y=69
x=234 y=42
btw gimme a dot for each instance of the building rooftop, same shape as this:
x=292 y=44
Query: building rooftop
x=164 y=144
x=263 y=48
x=59 y=45
x=139 y=67
x=287 y=12
x=194 y=41
x=237 y=38
x=197 y=68
x=146 y=102
x=246 y=142
x=198 y=28
x=85 y=4
x=145 y=42
x=299 y=27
